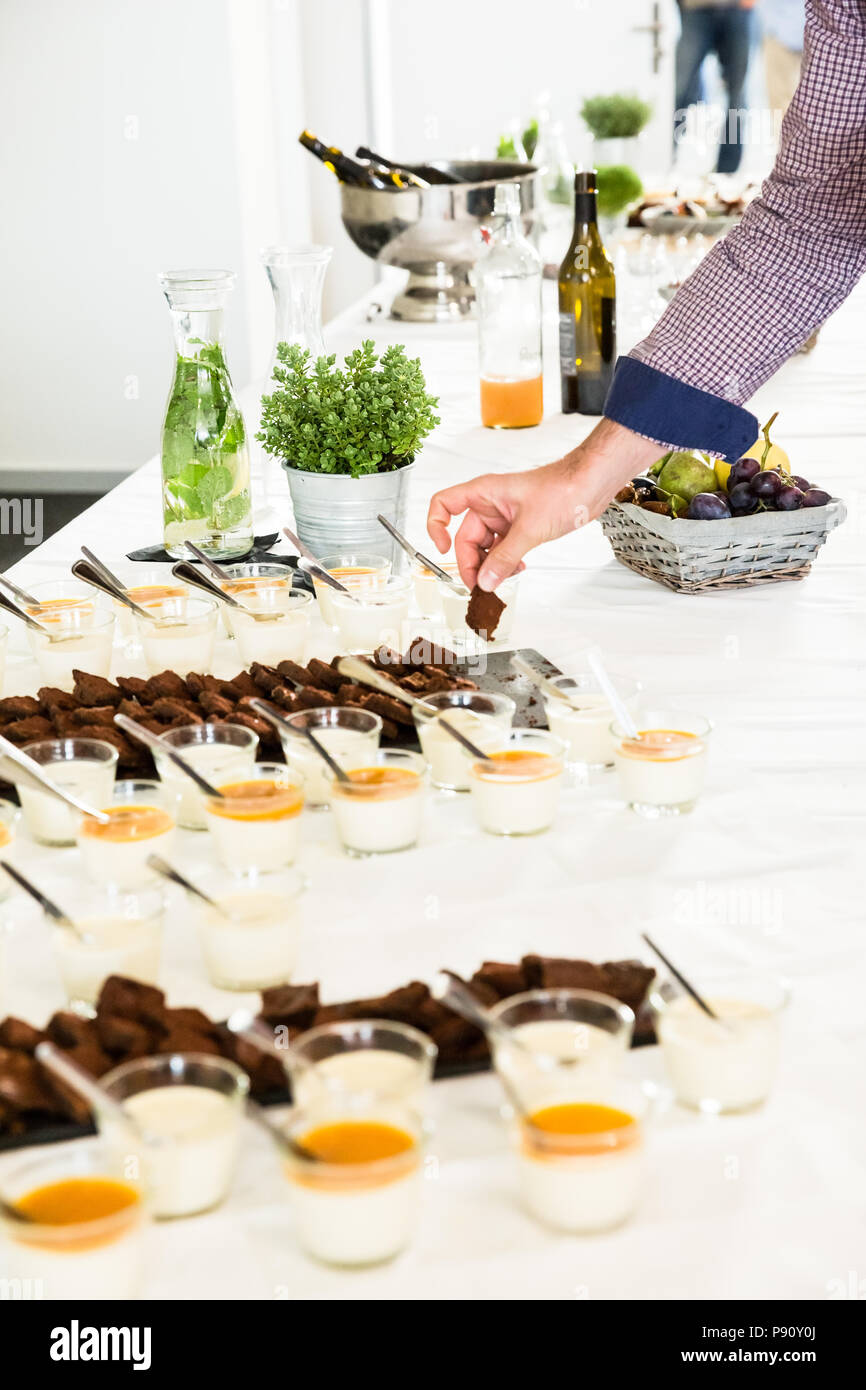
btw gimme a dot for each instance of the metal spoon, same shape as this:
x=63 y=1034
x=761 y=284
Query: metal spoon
x=21 y=594
x=34 y=774
x=153 y=741
x=460 y=1000
x=299 y=545
x=416 y=554
x=50 y=908
x=79 y=1079
x=205 y=560
x=245 y=1025
x=542 y=683
x=164 y=869
x=86 y=571
x=108 y=575
x=14 y=1213
x=312 y=567
x=689 y=988
x=274 y=717
x=368 y=675
x=188 y=574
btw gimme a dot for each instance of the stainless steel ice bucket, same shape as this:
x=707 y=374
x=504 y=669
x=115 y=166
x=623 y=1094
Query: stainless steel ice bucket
x=334 y=512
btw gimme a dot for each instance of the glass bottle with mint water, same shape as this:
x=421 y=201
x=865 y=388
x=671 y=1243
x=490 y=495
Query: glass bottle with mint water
x=205 y=459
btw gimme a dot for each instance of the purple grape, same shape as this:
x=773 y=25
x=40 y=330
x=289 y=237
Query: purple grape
x=800 y=483
x=815 y=497
x=789 y=499
x=742 y=500
x=766 y=485
x=708 y=506
x=743 y=471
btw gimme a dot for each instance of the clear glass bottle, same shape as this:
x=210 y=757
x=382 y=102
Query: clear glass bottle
x=508 y=293
x=297 y=276
x=205 y=459
x=557 y=185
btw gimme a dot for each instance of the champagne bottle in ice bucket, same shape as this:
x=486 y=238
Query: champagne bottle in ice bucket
x=205 y=459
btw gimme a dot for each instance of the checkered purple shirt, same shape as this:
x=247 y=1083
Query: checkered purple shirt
x=799 y=249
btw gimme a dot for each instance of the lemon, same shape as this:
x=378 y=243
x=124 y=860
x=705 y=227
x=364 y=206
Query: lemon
x=721 y=468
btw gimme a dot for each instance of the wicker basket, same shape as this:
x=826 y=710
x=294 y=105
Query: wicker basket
x=693 y=556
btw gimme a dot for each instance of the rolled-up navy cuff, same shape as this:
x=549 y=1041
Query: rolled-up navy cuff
x=682 y=417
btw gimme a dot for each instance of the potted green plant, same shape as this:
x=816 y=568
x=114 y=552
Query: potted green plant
x=615 y=123
x=347 y=437
x=618 y=187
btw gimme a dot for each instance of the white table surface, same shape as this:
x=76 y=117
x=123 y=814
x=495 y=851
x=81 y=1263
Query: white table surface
x=766 y=871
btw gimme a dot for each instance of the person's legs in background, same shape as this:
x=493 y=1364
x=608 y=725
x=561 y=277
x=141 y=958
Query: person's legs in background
x=734 y=32
x=695 y=42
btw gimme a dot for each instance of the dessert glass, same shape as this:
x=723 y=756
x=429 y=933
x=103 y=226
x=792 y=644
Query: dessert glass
x=178 y=635
x=91 y=1258
x=247 y=581
x=359 y=571
x=220 y=752
x=283 y=637
x=361 y=1056
x=145 y=584
x=255 y=824
x=55 y=597
x=581 y=1163
x=662 y=773
x=380 y=810
x=517 y=793
x=122 y=935
x=728 y=1066
x=585 y=730
x=88 y=634
x=455 y=601
x=351 y=736
x=565 y=1041
x=373 y=617
x=482 y=718
x=427 y=595
x=142 y=823
x=360 y=1203
x=259 y=947
x=83 y=766
x=190 y=1109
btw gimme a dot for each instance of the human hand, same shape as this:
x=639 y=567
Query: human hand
x=508 y=514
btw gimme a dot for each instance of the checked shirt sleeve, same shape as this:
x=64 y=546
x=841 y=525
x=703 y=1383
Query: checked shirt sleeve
x=765 y=288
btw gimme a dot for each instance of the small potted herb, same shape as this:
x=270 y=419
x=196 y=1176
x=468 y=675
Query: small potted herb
x=615 y=123
x=347 y=437
x=618 y=187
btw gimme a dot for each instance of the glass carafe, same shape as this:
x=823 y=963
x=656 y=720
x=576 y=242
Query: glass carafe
x=205 y=459
x=508 y=295
x=297 y=275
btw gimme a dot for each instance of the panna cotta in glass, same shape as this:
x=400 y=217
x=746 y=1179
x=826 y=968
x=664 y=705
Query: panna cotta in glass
x=85 y=1236
x=56 y=597
x=187 y=1110
x=359 y=1056
x=255 y=822
x=141 y=822
x=583 y=720
x=220 y=752
x=661 y=772
x=455 y=601
x=481 y=718
x=517 y=791
x=725 y=1065
x=355 y=571
x=84 y=767
x=145 y=585
x=178 y=639
x=118 y=934
x=358 y=1201
x=252 y=943
x=351 y=736
x=375 y=617
x=380 y=808
x=426 y=583
x=77 y=637
x=247 y=581
x=275 y=628
x=581 y=1164
x=558 y=1043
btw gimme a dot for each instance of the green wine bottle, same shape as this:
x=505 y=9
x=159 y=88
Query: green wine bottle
x=587 y=308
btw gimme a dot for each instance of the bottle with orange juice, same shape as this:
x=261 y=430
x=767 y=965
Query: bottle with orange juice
x=508 y=290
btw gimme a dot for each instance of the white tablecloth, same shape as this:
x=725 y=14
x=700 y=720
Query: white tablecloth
x=766 y=871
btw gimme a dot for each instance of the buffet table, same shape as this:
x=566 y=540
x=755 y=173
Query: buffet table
x=768 y=1204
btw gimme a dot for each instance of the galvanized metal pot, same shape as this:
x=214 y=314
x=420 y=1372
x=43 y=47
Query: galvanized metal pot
x=334 y=512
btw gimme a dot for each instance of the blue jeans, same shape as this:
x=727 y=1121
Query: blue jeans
x=729 y=34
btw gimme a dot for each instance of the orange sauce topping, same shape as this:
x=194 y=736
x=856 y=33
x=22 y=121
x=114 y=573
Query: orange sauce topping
x=662 y=745
x=379 y=782
x=128 y=823
x=5 y=835
x=76 y=1200
x=357 y=1141
x=580 y=1121
x=49 y=610
x=352 y=571
x=253 y=582
x=259 y=800
x=154 y=593
x=523 y=764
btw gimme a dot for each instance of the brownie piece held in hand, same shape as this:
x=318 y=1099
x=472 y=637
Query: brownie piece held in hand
x=483 y=612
